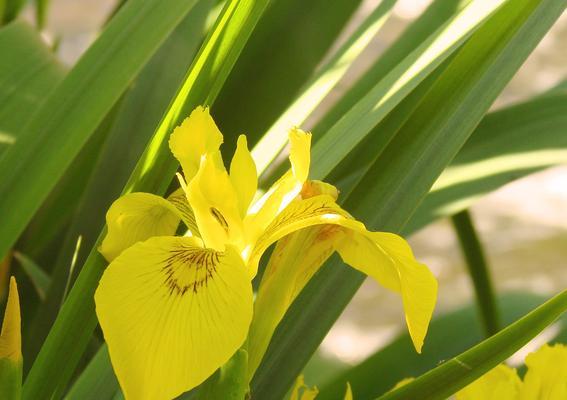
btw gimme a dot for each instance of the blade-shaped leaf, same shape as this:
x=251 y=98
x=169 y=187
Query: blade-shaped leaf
x=456 y=373
x=65 y=121
x=398 y=181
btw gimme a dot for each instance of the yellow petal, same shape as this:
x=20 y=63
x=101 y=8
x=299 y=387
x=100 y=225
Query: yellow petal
x=11 y=337
x=179 y=200
x=243 y=175
x=546 y=378
x=300 y=153
x=172 y=313
x=196 y=136
x=292 y=264
x=215 y=204
x=500 y=383
x=301 y=391
x=348 y=393
x=285 y=190
x=136 y=217
x=388 y=259
x=385 y=257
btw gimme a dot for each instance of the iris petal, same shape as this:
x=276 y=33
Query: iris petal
x=172 y=313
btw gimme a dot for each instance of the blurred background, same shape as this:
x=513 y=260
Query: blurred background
x=523 y=226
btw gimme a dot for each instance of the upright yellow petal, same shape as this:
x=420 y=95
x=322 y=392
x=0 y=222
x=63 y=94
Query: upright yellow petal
x=546 y=378
x=215 y=204
x=243 y=175
x=179 y=199
x=300 y=153
x=500 y=383
x=172 y=313
x=285 y=190
x=136 y=217
x=196 y=136
x=11 y=347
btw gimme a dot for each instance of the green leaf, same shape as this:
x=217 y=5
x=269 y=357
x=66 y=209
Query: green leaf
x=264 y=82
x=76 y=321
x=507 y=145
x=28 y=72
x=426 y=24
x=456 y=373
x=403 y=174
x=9 y=10
x=449 y=335
x=230 y=382
x=333 y=145
x=97 y=381
x=131 y=129
x=39 y=279
x=477 y=267
x=319 y=86
x=62 y=125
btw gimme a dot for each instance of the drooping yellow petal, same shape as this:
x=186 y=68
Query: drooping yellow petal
x=546 y=378
x=196 y=136
x=243 y=175
x=301 y=391
x=11 y=347
x=385 y=257
x=500 y=383
x=388 y=259
x=215 y=204
x=172 y=313
x=136 y=217
x=285 y=190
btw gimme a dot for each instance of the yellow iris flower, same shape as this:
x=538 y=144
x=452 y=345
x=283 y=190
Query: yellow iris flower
x=173 y=309
x=546 y=379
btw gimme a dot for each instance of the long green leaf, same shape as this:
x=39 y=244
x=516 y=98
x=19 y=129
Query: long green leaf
x=76 y=321
x=334 y=145
x=401 y=178
x=508 y=144
x=437 y=14
x=477 y=267
x=449 y=335
x=97 y=381
x=28 y=72
x=319 y=86
x=264 y=81
x=459 y=371
x=56 y=133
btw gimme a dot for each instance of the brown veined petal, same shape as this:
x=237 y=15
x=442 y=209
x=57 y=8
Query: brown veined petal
x=385 y=257
x=172 y=313
x=179 y=200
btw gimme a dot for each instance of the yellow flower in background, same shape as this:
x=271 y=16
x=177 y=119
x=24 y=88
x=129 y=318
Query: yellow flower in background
x=301 y=391
x=175 y=308
x=546 y=379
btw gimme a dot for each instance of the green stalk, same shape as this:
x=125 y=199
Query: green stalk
x=76 y=321
x=478 y=271
x=449 y=377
